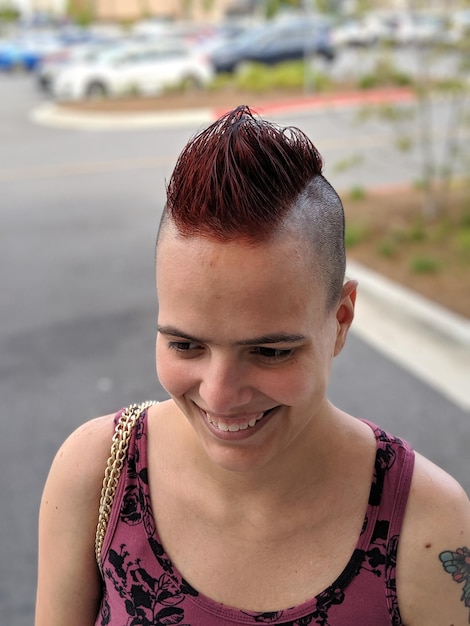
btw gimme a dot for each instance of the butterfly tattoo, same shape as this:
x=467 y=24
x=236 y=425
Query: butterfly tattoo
x=458 y=565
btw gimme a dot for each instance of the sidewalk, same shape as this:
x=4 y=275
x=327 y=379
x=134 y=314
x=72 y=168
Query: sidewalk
x=428 y=340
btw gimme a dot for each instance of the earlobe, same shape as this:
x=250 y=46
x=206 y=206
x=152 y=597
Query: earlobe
x=345 y=314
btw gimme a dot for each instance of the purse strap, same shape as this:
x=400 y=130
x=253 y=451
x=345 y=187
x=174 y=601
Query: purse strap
x=119 y=447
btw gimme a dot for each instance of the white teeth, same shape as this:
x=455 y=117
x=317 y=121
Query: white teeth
x=233 y=428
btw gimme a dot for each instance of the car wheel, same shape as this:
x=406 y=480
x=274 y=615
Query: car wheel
x=96 y=90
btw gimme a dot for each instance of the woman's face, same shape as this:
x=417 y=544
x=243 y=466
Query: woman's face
x=245 y=343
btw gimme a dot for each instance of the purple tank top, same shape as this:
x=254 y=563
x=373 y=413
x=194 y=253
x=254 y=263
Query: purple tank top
x=142 y=587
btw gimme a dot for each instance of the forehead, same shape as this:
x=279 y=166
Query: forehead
x=238 y=258
x=270 y=284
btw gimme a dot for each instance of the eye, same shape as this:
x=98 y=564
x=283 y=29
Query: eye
x=273 y=354
x=183 y=346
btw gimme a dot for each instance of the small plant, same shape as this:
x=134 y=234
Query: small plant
x=463 y=244
x=403 y=143
x=355 y=234
x=387 y=248
x=368 y=81
x=357 y=193
x=425 y=265
x=345 y=164
x=465 y=218
x=417 y=232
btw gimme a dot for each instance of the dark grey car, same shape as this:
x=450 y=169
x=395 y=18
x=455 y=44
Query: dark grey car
x=275 y=42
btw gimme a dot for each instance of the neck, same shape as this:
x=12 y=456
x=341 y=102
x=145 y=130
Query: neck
x=306 y=466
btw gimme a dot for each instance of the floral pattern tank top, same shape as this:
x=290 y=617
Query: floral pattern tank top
x=141 y=586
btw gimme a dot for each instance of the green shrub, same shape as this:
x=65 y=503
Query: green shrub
x=258 y=77
x=425 y=265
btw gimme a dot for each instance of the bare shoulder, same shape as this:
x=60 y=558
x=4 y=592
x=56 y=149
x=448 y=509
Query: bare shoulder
x=68 y=579
x=80 y=461
x=82 y=457
x=433 y=566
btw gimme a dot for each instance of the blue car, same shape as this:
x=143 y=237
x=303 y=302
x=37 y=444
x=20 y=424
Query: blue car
x=16 y=56
x=25 y=50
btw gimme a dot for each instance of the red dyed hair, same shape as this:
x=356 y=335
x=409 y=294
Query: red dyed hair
x=239 y=177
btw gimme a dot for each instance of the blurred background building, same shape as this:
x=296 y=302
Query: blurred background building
x=204 y=10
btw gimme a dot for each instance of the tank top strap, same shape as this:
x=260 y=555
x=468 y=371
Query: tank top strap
x=393 y=472
x=124 y=502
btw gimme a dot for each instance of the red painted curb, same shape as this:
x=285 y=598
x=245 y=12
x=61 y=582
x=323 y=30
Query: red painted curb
x=323 y=101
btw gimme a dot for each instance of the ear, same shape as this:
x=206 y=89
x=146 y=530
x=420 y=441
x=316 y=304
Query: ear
x=345 y=314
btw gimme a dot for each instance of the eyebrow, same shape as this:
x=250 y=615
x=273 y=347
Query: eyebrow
x=254 y=341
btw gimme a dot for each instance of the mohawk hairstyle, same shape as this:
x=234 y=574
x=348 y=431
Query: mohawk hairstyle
x=240 y=177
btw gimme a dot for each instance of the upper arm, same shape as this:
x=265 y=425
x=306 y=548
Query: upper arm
x=69 y=585
x=432 y=591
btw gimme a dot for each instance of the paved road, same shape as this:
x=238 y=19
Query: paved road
x=78 y=215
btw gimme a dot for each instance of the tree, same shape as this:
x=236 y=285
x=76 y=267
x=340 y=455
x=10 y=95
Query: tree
x=438 y=171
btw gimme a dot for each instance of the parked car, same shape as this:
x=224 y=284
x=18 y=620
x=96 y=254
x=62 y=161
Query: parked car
x=55 y=62
x=26 y=49
x=272 y=43
x=365 y=30
x=144 y=69
x=14 y=57
x=24 y=53
x=419 y=29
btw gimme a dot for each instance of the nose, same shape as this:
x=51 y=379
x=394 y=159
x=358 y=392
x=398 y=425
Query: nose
x=225 y=385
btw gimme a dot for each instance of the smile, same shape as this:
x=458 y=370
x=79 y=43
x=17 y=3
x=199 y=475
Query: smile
x=232 y=424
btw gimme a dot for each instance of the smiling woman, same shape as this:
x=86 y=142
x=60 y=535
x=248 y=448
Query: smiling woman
x=247 y=496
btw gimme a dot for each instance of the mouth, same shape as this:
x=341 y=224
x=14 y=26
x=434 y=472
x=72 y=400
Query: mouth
x=236 y=424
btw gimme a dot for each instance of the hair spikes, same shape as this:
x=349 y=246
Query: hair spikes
x=239 y=177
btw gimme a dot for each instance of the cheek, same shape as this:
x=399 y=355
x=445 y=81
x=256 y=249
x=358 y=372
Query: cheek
x=292 y=384
x=173 y=373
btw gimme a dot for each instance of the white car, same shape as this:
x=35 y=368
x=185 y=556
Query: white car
x=366 y=30
x=52 y=64
x=133 y=69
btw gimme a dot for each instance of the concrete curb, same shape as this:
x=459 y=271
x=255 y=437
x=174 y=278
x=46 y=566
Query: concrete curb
x=426 y=339
x=54 y=115
x=436 y=318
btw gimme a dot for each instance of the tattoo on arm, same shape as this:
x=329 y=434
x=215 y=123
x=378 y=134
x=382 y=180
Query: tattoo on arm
x=458 y=565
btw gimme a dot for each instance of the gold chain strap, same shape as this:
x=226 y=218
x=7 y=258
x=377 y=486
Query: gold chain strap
x=119 y=446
